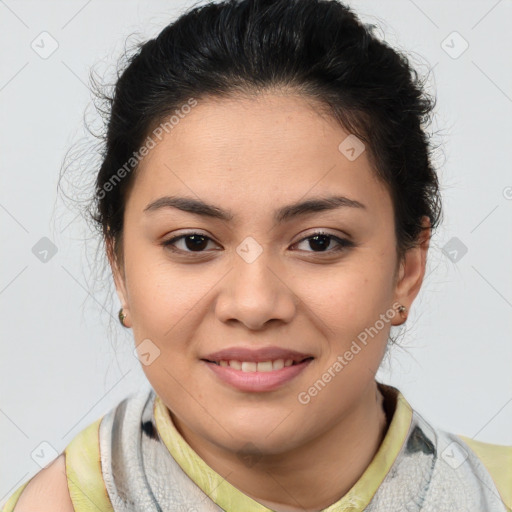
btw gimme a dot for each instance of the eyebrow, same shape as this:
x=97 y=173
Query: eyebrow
x=281 y=215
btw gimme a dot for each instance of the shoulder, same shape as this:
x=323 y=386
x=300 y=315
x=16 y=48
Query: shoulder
x=47 y=490
x=76 y=477
x=497 y=459
x=70 y=482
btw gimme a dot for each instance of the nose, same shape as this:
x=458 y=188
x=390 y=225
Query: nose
x=256 y=292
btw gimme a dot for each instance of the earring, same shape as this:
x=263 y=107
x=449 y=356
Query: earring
x=121 y=316
x=402 y=309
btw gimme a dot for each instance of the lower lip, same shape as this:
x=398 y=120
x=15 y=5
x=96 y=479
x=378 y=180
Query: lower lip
x=257 y=381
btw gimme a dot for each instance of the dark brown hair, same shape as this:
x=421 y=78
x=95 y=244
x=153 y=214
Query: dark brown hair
x=318 y=48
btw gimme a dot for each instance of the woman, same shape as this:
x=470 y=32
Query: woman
x=266 y=199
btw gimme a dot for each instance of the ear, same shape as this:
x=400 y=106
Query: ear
x=119 y=280
x=412 y=271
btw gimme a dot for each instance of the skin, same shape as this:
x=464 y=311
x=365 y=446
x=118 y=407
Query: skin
x=251 y=156
x=47 y=490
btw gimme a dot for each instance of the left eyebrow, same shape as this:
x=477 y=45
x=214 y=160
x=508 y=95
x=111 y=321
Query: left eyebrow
x=283 y=214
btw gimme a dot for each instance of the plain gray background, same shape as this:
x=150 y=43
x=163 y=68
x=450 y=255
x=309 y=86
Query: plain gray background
x=65 y=360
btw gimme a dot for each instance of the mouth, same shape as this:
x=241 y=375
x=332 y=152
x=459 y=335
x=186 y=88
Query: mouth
x=258 y=366
x=256 y=376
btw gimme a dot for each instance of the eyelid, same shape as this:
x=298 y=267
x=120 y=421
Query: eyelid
x=315 y=231
x=343 y=243
x=187 y=232
x=324 y=231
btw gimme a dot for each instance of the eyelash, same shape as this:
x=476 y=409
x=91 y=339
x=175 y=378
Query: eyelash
x=343 y=242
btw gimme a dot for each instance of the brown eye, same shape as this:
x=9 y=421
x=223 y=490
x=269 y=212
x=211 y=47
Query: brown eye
x=192 y=242
x=321 y=242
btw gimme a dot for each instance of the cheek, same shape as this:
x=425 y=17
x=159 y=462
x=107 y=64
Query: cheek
x=161 y=294
x=347 y=304
x=349 y=297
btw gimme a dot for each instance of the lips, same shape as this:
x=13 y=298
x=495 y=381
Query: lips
x=256 y=371
x=243 y=354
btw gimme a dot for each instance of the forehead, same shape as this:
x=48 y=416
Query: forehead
x=254 y=151
x=268 y=128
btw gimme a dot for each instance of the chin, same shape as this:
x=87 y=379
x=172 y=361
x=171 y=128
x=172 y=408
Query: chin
x=257 y=446
x=261 y=437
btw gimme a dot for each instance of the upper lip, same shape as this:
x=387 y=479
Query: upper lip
x=256 y=355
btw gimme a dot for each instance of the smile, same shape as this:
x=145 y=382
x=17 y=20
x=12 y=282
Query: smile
x=262 y=366
x=251 y=376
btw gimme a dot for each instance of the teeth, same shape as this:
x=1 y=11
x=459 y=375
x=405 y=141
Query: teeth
x=278 y=364
x=262 y=366
x=249 y=366
x=237 y=365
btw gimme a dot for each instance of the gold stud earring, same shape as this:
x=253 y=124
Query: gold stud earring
x=403 y=312
x=122 y=316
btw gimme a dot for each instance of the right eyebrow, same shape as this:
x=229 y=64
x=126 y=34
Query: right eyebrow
x=283 y=214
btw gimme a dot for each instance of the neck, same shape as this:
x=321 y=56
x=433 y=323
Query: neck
x=284 y=482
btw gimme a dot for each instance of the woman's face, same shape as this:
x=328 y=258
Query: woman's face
x=256 y=280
